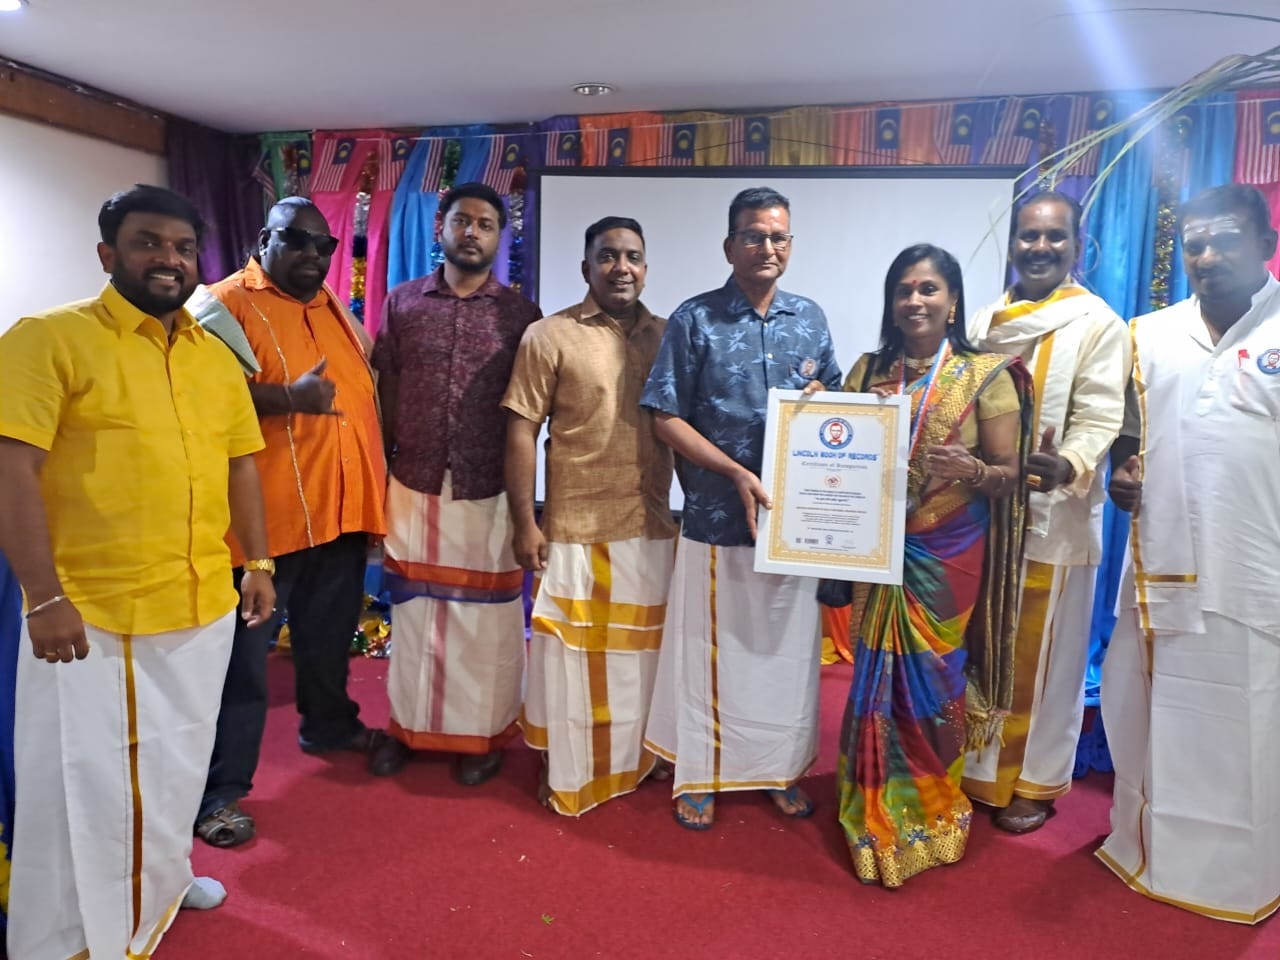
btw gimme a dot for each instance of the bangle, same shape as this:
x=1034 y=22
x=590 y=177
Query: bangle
x=267 y=566
x=979 y=473
x=45 y=605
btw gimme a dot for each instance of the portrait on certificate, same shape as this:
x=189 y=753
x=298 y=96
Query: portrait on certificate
x=835 y=469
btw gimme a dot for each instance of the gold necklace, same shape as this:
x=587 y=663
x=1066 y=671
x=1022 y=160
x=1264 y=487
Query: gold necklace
x=920 y=365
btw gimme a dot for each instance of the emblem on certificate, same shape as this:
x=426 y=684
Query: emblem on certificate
x=835 y=467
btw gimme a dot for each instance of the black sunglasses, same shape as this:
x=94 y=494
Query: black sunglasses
x=296 y=238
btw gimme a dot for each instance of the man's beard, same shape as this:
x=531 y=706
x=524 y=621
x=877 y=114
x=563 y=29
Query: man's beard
x=155 y=305
x=470 y=266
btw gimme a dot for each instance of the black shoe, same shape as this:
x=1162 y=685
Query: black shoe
x=389 y=757
x=362 y=740
x=471 y=769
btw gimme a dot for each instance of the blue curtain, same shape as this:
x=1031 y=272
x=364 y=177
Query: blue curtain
x=10 y=628
x=1118 y=262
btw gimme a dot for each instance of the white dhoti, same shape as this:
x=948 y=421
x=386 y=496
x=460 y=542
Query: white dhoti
x=1038 y=752
x=735 y=704
x=1193 y=735
x=112 y=753
x=593 y=654
x=457 y=658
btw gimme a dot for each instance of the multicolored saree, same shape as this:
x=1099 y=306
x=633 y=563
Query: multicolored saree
x=933 y=658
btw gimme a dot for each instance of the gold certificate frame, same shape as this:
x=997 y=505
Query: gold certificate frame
x=835 y=468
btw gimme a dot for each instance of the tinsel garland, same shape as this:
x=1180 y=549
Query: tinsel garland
x=360 y=235
x=515 y=219
x=371 y=639
x=1169 y=165
x=289 y=158
x=373 y=636
x=448 y=174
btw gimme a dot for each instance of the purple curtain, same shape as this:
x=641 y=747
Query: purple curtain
x=215 y=171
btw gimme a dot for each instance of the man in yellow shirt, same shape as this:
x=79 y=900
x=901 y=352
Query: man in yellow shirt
x=126 y=443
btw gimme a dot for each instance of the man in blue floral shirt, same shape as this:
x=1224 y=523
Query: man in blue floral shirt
x=736 y=698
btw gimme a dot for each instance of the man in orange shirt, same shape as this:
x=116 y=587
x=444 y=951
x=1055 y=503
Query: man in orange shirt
x=323 y=478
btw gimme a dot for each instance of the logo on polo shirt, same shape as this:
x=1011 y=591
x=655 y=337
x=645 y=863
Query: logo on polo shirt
x=1269 y=361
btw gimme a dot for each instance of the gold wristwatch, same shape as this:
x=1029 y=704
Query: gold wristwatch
x=267 y=566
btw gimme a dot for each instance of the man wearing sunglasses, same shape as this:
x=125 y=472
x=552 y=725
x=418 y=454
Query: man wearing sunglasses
x=323 y=476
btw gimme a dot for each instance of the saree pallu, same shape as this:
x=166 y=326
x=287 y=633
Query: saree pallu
x=930 y=651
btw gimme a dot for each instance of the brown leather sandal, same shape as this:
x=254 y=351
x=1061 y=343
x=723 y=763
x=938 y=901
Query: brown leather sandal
x=227 y=826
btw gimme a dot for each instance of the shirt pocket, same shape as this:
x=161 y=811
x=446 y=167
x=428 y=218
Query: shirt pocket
x=1254 y=392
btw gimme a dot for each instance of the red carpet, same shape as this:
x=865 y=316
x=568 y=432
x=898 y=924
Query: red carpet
x=346 y=866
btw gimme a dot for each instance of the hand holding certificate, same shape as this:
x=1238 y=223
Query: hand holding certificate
x=835 y=467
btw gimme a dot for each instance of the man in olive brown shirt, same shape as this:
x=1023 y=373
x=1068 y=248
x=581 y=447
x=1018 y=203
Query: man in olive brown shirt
x=606 y=545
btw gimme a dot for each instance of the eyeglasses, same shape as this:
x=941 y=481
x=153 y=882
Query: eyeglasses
x=754 y=238
x=296 y=238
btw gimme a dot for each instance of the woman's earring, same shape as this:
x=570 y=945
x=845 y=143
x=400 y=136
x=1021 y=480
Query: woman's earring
x=951 y=317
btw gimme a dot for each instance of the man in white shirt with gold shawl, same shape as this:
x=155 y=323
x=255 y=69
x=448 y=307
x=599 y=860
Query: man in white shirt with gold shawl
x=1191 y=682
x=1078 y=352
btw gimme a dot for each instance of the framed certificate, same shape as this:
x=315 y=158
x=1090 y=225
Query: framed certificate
x=835 y=467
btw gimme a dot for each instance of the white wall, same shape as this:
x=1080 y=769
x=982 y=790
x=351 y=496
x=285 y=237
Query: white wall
x=51 y=185
x=848 y=230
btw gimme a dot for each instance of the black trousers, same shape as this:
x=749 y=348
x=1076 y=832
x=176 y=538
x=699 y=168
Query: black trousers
x=322 y=590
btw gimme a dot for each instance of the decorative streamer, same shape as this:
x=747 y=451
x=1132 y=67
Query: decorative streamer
x=289 y=156
x=515 y=219
x=448 y=174
x=1169 y=168
x=360 y=235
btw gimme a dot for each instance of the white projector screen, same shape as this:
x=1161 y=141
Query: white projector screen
x=848 y=229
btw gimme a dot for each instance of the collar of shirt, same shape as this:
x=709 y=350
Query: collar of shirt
x=1259 y=308
x=739 y=308
x=436 y=283
x=255 y=278
x=592 y=311
x=126 y=318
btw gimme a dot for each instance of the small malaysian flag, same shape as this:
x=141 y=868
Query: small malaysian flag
x=1011 y=144
x=738 y=141
x=505 y=157
x=618 y=142
x=756 y=139
x=879 y=137
x=564 y=148
x=954 y=131
x=1258 y=137
x=433 y=169
x=262 y=174
x=392 y=154
x=669 y=154
x=327 y=170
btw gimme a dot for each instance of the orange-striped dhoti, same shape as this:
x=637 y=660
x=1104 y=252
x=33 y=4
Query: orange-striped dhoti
x=457 y=655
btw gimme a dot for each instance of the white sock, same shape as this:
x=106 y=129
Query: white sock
x=205 y=893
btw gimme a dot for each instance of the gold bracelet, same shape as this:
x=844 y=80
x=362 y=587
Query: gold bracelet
x=979 y=474
x=266 y=566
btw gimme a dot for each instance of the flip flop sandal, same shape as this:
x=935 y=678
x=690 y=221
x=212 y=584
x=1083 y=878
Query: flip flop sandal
x=227 y=826
x=698 y=805
x=792 y=796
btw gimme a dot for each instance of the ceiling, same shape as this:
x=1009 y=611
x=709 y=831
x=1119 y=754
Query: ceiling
x=256 y=65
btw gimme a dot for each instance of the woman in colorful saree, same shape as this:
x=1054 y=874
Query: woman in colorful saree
x=950 y=625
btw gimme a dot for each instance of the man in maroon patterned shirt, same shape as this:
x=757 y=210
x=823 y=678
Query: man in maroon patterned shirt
x=444 y=354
